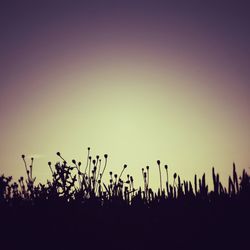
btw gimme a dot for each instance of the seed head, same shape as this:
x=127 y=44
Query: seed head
x=158 y=162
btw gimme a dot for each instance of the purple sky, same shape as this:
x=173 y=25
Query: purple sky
x=43 y=42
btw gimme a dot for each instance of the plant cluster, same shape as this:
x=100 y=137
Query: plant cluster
x=73 y=183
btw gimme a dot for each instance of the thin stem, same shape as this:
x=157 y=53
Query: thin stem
x=159 y=163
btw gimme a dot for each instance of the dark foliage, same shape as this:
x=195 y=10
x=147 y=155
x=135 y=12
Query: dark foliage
x=77 y=209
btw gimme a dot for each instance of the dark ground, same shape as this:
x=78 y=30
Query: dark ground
x=176 y=225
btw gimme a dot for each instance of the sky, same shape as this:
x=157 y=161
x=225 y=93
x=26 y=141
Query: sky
x=138 y=80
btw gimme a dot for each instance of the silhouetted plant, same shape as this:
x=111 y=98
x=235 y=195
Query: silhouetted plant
x=159 y=165
x=71 y=184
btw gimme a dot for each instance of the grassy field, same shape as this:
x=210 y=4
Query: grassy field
x=76 y=209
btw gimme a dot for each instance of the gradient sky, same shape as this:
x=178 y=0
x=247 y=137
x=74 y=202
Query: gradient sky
x=138 y=80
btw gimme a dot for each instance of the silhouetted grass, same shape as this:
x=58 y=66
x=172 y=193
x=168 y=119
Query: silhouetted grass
x=77 y=208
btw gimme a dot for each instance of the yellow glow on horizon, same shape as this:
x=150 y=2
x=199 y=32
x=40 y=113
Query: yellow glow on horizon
x=137 y=112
